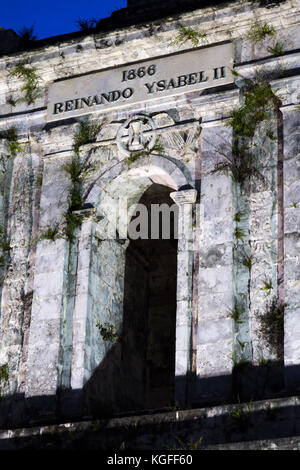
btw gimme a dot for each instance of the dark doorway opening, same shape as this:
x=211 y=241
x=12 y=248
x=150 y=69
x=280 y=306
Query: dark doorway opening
x=149 y=321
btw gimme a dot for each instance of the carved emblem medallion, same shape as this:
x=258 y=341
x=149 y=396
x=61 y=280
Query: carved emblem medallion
x=136 y=134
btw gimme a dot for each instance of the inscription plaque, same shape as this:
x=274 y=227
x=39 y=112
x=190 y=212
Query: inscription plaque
x=140 y=82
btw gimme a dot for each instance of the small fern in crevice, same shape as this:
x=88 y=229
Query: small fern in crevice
x=238 y=233
x=86 y=134
x=271 y=325
x=28 y=37
x=260 y=31
x=270 y=135
x=245 y=119
x=108 y=331
x=50 y=233
x=11 y=101
x=4 y=373
x=156 y=149
x=30 y=87
x=39 y=181
x=277 y=49
x=73 y=221
x=236 y=312
x=11 y=136
x=134 y=156
x=84 y=24
x=238 y=216
x=268 y=286
x=240 y=166
x=188 y=445
x=247 y=261
x=5 y=245
x=189 y=34
x=78 y=169
x=240 y=411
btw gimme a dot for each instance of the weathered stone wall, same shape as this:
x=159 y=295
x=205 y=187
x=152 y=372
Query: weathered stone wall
x=53 y=293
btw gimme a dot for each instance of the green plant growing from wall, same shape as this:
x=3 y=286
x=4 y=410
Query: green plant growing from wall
x=75 y=170
x=73 y=221
x=39 y=181
x=108 y=331
x=271 y=325
x=30 y=88
x=283 y=71
x=238 y=216
x=260 y=31
x=268 y=286
x=189 y=34
x=235 y=73
x=247 y=261
x=4 y=373
x=241 y=165
x=240 y=411
x=174 y=407
x=86 y=134
x=244 y=120
x=5 y=245
x=236 y=312
x=79 y=169
x=84 y=24
x=238 y=233
x=4 y=376
x=270 y=135
x=4 y=242
x=27 y=36
x=10 y=100
x=276 y=49
x=50 y=233
x=257 y=97
x=157 y=148
x=188 y=445
x=11 y=136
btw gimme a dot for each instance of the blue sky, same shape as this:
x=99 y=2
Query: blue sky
x=53 y=17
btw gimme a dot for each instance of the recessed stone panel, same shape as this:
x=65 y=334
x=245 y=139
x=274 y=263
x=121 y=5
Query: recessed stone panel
x=157 y=78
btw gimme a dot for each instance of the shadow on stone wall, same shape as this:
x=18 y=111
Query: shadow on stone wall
x=246 y=383
x=165 y=430
x=76 y=405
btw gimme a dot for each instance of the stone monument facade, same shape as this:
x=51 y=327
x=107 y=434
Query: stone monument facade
x=200 y=113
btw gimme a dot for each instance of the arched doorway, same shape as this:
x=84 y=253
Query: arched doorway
x=149 y=319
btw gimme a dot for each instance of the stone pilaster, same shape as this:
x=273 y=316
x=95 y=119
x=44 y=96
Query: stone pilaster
x=215 y=281
x=185 y=347
x=291 y=247
x=50 y=274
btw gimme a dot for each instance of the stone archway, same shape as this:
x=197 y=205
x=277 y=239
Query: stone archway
x=97 y=365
